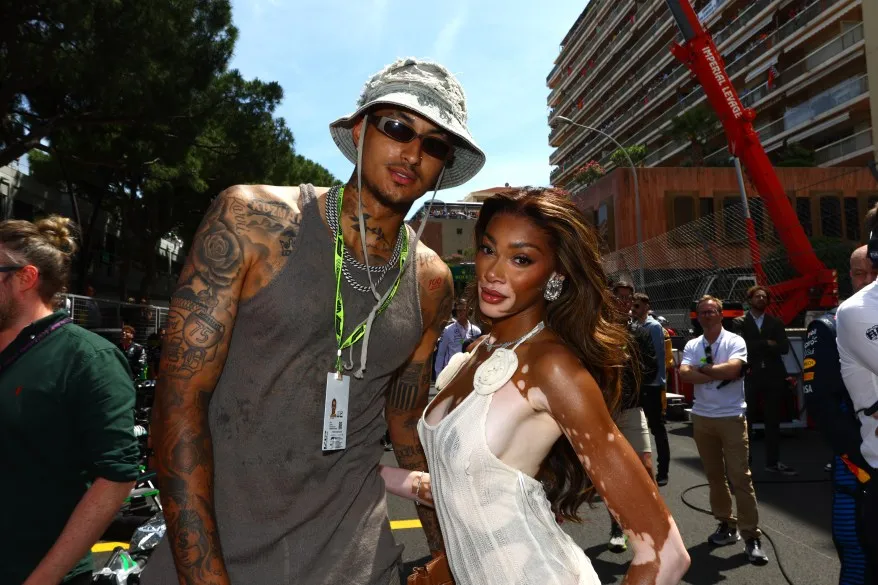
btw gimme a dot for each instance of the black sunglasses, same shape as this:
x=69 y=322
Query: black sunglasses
x=10 y=268
x=401 y=132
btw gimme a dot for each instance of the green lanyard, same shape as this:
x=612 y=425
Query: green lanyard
x=357 y=334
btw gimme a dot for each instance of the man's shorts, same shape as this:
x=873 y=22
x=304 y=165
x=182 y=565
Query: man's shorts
x=633 y=426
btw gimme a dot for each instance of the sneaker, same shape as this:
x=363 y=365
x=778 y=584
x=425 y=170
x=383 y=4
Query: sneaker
x=618 y=541
x=724 y=535
x=781 y=468
x=661 y=480
x=755 y=553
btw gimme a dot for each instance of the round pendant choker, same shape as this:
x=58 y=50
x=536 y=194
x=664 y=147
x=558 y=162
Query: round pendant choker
x=348 y=259
x=537 y=328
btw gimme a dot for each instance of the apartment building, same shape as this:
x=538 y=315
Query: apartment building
x=809 y=68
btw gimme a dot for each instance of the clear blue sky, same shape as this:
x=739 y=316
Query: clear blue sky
x=322 y=51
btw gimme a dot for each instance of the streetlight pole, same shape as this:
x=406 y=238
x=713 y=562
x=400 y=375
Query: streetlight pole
x=637 y=219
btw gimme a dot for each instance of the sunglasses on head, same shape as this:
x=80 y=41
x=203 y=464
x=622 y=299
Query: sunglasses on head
x=402 y=132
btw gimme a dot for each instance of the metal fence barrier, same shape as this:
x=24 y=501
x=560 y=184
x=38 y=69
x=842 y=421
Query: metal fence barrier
x=106 y=317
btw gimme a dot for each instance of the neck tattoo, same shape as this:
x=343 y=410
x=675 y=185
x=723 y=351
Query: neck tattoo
x=348 y=259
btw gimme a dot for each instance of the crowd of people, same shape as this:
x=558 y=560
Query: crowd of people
x=270 y=408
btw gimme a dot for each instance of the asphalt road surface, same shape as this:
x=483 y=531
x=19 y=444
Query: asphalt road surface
x=795 y=512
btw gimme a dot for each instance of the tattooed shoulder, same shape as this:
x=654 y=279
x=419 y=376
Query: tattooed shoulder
x=437 y=287
x=270 y=216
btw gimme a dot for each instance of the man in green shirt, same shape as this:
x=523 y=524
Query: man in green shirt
x=67 y=447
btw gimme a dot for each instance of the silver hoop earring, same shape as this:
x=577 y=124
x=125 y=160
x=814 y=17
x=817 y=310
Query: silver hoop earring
x=553 y=288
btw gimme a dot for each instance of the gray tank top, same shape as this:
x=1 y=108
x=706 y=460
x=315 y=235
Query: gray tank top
x=286 y=511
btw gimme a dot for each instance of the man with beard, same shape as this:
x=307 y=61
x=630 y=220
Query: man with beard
x=767 y=343
x=259 y=484
x=67 y=446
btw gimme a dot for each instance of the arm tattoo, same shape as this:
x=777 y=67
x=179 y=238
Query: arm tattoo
x=407 y=386
x=406 y=401
x=200 y=320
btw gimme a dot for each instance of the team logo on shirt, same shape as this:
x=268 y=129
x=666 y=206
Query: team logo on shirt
x=872 y=333
x=809 y=363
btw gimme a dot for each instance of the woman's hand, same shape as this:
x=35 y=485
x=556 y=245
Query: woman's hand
x=411 y=485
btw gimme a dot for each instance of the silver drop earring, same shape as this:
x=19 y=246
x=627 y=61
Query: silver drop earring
x=553 y=287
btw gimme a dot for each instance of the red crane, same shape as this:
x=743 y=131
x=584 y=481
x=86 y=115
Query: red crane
x=816 y=284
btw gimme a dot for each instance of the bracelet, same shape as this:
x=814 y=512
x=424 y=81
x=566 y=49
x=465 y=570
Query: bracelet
x=417 y=488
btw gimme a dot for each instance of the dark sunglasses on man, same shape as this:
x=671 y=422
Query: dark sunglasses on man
x=708 y=357
x=402 y=132
x=10 y=268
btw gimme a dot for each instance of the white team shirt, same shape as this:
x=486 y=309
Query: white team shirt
x=857 y=324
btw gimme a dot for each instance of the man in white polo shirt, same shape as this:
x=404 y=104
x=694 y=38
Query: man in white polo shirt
x=715 y=364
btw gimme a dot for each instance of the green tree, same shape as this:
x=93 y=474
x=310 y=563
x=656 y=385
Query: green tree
x=155 y=180
x=83 y=65
x=636 y=152
x=796 y=155
x=695 y=126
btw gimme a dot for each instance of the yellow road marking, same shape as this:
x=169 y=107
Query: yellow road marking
x=394 y=525
x=108 y=546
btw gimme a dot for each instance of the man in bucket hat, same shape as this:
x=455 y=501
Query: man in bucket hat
x=260 y=483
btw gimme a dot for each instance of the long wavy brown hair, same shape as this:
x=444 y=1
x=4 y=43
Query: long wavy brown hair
x=584 y=317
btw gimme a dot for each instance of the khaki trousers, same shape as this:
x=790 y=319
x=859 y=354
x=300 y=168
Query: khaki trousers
x=724 y=448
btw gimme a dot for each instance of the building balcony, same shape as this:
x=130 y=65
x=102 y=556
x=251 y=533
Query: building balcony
x=772 y=43
x=661 y=17
x=597 y=43
x=797 y=118
x=845 y=149
x=753 y=10
x=632 y=56
x=577 y=32
x=656 y=91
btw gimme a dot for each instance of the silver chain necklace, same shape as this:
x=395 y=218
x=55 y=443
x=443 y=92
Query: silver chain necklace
x=348 y=259
x=537 y=328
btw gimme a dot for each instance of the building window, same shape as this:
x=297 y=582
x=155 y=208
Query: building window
x=803 y=212
x=851 y=219
x=459 y=231
x=684 y=211
x=681 y=213
x=681 y=210
x=830 y=216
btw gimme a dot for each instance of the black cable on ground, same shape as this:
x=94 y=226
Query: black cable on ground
x=765 y=534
